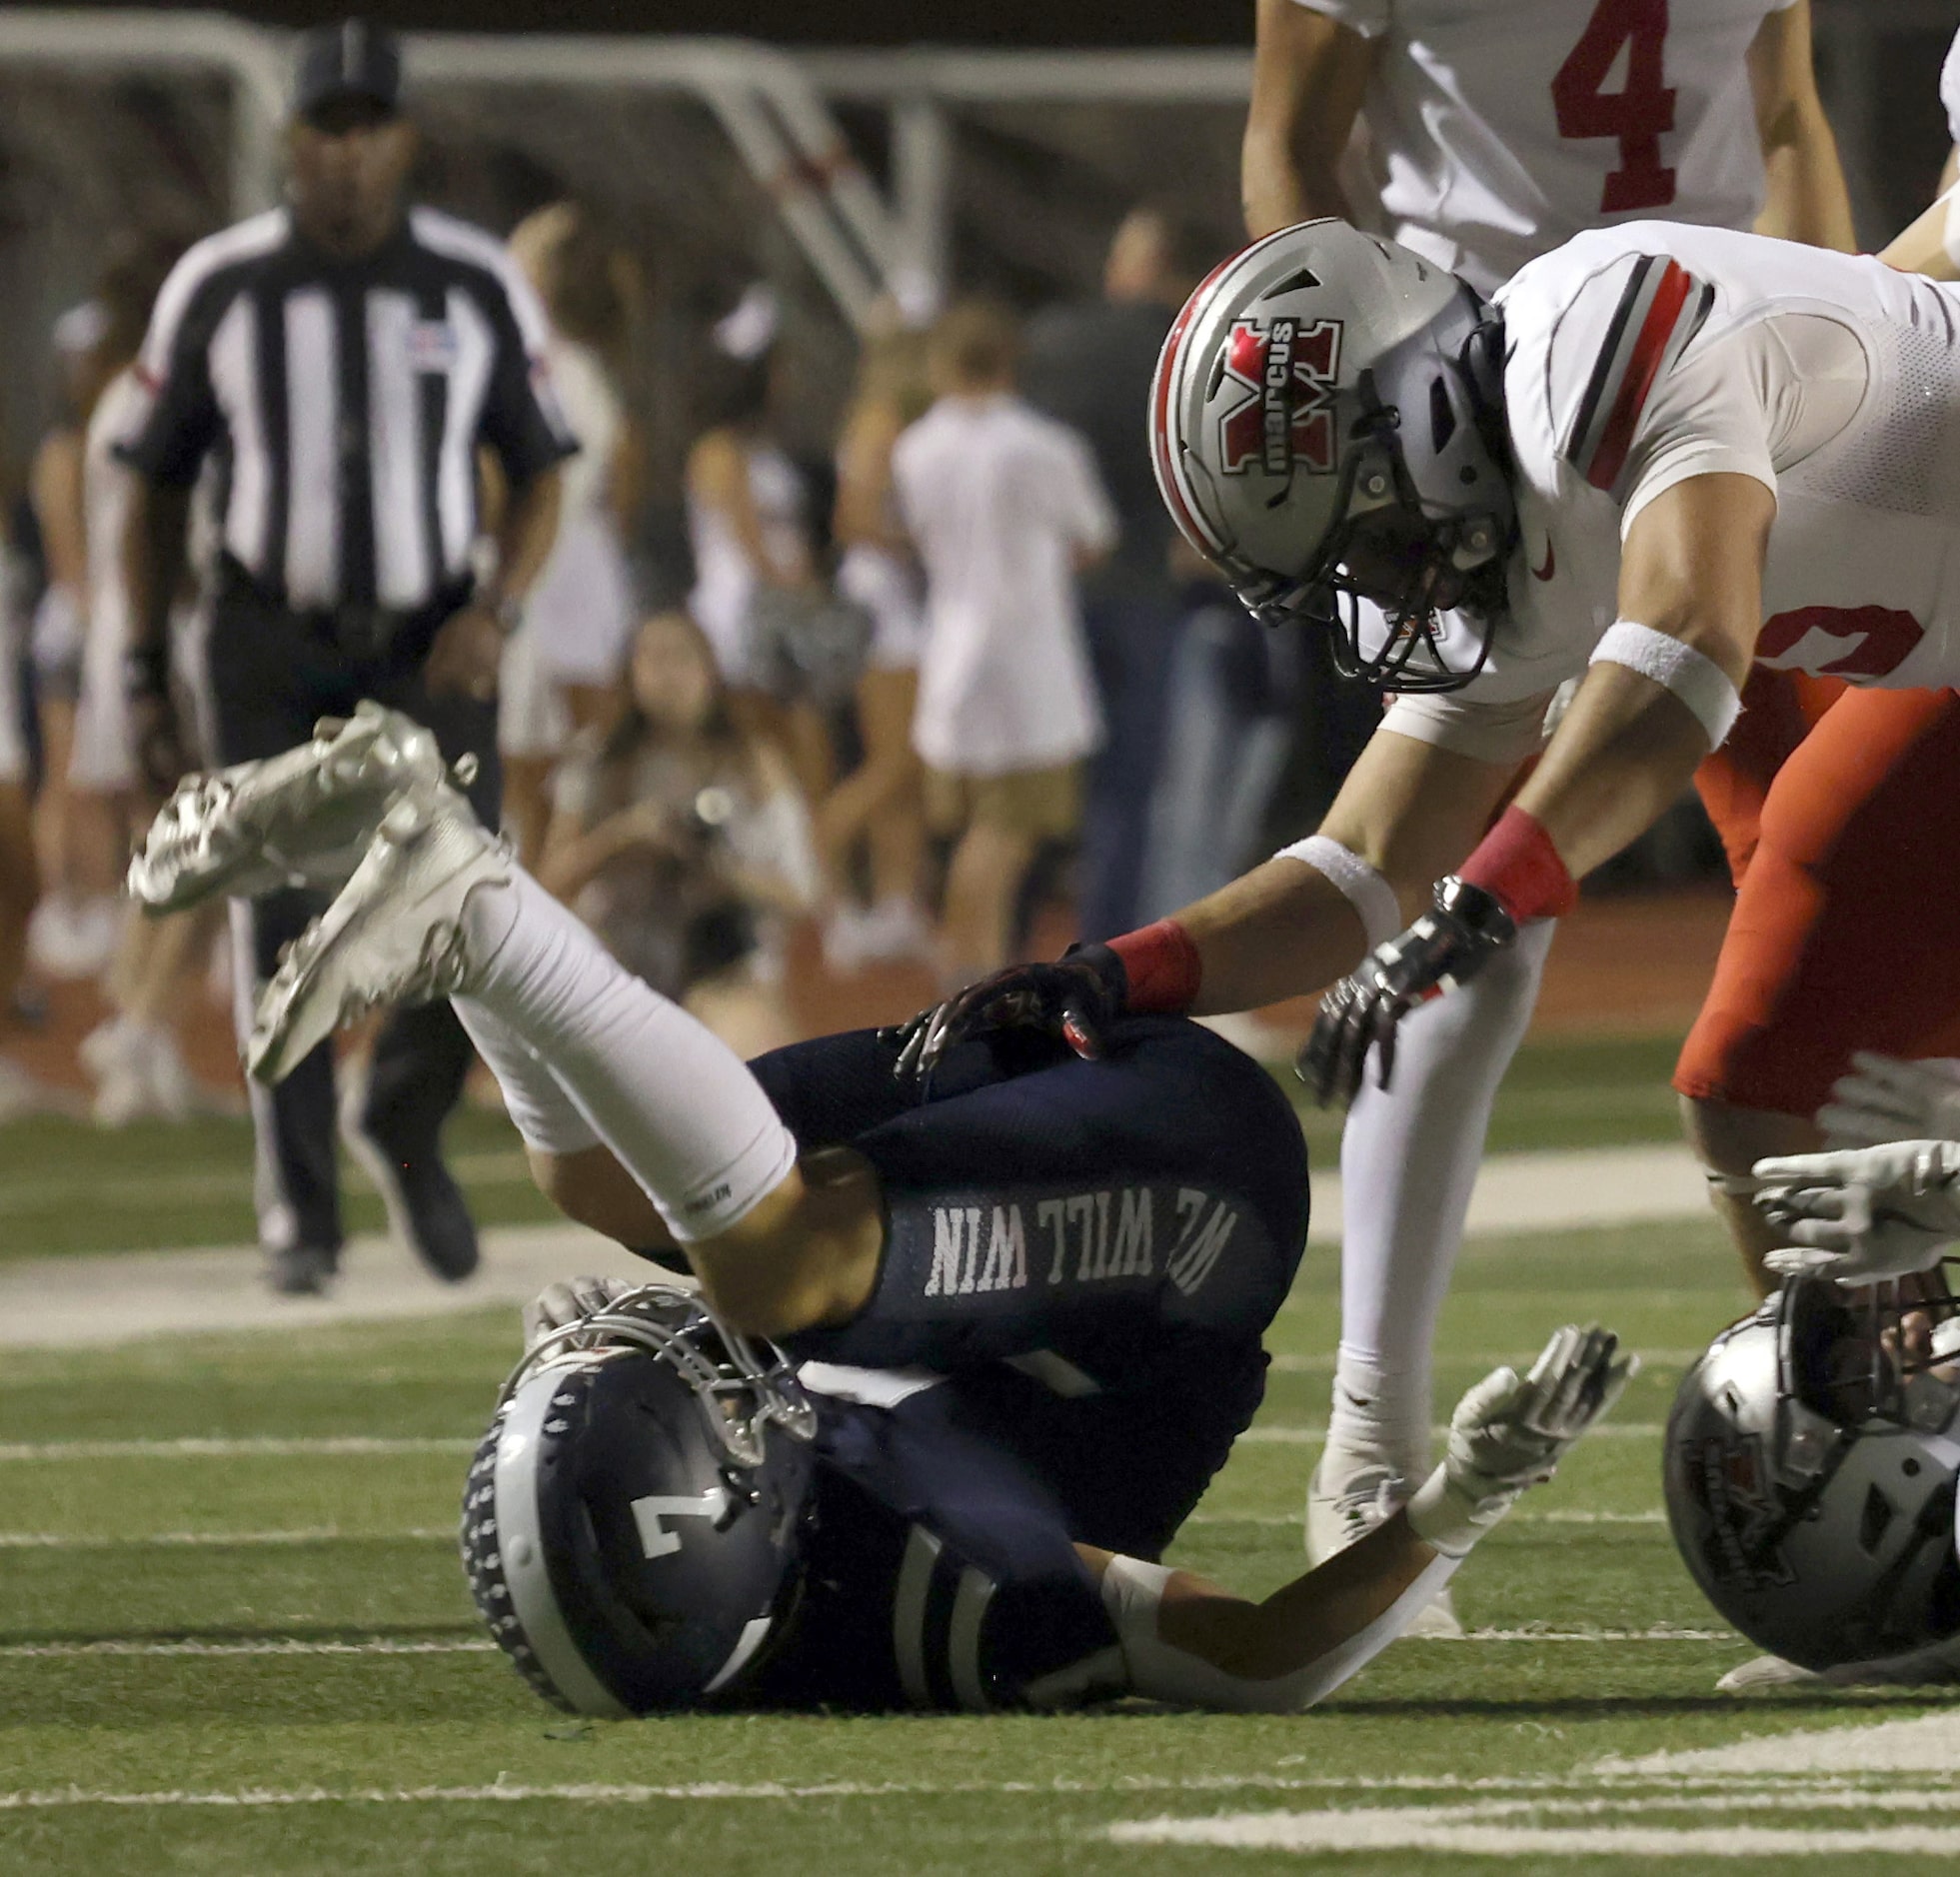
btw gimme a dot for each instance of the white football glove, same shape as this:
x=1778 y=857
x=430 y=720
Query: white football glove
x=1508 y=1433
x=569 y=1301
x=1889 y=1099
x=1865 y=1215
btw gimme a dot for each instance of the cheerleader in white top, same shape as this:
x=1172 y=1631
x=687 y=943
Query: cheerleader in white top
x=562 y=665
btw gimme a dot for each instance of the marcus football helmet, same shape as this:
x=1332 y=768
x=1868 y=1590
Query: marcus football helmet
x=631 y=1522
x=1328 y=429
x=1809 y=1472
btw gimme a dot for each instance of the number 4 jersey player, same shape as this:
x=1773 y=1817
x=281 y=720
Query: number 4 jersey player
x=1492 y=134
x=1027 y=1302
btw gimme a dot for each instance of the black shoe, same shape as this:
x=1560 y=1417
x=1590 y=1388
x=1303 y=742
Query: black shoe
x=426 y=1213
x=301 y=1270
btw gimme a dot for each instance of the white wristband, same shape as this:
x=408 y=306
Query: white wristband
x=1448 y=1519
x=1355 y=881
x=1693 y=677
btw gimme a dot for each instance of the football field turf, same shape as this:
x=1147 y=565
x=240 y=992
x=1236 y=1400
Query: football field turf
x=234 y=1638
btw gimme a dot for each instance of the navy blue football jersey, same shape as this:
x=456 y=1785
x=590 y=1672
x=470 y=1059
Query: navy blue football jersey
x=1088 y=1255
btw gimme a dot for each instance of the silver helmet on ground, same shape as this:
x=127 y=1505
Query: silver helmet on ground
x=1809 y=1472
x=1328 y=431
x=632 y=1520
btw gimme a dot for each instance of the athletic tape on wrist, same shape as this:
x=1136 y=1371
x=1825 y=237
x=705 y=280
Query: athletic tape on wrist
x=1691 y=676
x=1448 y=1519
x=1161 y=968
x=1355 y=881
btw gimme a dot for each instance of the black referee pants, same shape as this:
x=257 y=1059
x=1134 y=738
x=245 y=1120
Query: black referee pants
x=269 y=674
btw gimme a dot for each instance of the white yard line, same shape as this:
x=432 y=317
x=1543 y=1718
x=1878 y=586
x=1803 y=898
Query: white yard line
x=1414 y=1830
x=277 y=1445
x=1323 y=1362
x=257 y=1645
x=75 y=1302
x=85 y=1302
x=1928 y=1743
x=1527 y=1517
x=217 y=1540
x=1271 y=1437
x=503 y=1792
x=242 y=1448
x=1562 y=1191
x=303 y=1645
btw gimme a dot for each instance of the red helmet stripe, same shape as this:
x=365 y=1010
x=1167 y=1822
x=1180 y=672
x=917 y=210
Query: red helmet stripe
x=1170 y=478
x=1169 y=361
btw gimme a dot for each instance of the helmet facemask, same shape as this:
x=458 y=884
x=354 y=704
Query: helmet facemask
x=741 y=1392
x=1427 y=433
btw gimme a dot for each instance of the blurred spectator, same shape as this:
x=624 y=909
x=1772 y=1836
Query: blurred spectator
x=1004 y=507
x=751 y=523
x=74 y=928
x=1091 y=366
x=20 y=883
x=1237 y=687
x=880 y=802
x=134 y=1057
x=561 y=665
x=684 y=842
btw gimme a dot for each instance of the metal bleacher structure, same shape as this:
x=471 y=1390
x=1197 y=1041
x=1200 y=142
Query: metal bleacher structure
x=777 y=108
x=870 y=173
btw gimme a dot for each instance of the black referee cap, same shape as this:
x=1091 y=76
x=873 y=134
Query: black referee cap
x=353 y=60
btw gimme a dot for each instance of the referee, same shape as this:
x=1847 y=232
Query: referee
x=341 y=362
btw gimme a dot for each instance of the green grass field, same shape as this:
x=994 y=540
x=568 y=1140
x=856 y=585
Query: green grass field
x=235 y=1640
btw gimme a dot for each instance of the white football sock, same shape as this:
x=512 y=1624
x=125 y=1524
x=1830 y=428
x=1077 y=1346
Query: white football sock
x=543 y=1113
x=676 y=1104
x=1408 y=1162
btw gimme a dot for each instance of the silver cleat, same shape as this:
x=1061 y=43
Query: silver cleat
x=394 y=935
x=303 y=818
x=1347 y=1500
x=1767 y=1671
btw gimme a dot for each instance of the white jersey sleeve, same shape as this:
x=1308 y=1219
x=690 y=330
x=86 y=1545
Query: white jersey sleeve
x=1950 y=89
x=1369 y=18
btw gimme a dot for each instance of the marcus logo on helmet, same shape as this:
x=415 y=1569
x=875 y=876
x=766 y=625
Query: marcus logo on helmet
x=1287 y=420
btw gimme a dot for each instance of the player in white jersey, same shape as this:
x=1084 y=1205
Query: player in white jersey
x=1483 y=138
x=1664 y=452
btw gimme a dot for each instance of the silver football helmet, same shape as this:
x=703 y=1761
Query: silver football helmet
x=1809 y=1472
x=1328 y=429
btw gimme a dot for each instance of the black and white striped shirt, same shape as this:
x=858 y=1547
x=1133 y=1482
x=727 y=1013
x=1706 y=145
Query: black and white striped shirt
x=347 y=400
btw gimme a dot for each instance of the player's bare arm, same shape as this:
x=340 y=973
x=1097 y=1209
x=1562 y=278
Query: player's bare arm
x=1308 y=74
x=1691 y=570
x=1186 y=1639
x=1411 y=809
x=1806 y=198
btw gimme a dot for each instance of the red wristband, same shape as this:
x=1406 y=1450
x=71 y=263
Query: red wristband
x=1516 y=865
x=1162 y=965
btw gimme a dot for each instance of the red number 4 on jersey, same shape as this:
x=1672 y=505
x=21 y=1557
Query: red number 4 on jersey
x=1635 y=115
